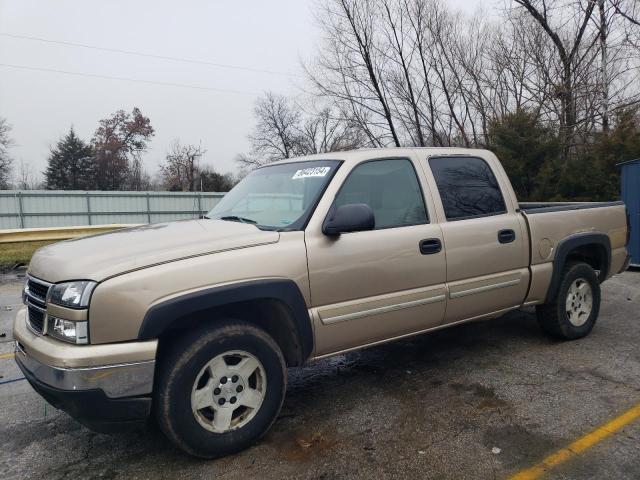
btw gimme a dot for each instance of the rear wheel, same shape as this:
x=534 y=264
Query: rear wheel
x=220 y=389
x=573 y=311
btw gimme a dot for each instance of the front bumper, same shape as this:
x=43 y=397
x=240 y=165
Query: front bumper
x=93 y=408
x=103 y=397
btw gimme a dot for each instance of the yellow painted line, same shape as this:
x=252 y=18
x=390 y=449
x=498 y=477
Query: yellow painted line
x=7 y=355
x=579 y=446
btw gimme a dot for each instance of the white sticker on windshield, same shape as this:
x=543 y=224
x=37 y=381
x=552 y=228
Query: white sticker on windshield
x=311 y=172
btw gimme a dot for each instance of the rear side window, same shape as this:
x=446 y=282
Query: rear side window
x=390 y=188
x=467 y=187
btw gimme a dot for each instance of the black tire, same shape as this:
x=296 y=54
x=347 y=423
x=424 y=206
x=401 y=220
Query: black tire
x=553 y=317
x=179 y=368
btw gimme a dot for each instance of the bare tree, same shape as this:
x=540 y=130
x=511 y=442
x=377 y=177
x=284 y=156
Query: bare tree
x=5 y=159
x=325 y=132
x=285 y=129
x=350 y=68
x=26 y=177
x=603 y=34
x=402 y=49
x=445 y=30
x=568 y=42
x=415 y=72
x=405 y=71
x=629 y=9
x=581 y=66
x=182 y=168
x=277 y=119
x=247 y=162
x=119 y=143
x=417 y=13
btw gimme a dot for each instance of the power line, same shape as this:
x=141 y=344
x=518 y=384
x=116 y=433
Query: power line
x=125 y=79
x=151 y=55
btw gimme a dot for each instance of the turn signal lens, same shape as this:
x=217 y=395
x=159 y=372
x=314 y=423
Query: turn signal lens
x=74 y=332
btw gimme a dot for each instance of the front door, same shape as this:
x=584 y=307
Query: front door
x=375 y=285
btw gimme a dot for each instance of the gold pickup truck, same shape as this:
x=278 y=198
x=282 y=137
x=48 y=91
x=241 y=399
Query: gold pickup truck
x=194 y=323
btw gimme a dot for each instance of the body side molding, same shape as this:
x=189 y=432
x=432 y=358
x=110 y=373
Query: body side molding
x=383 y=309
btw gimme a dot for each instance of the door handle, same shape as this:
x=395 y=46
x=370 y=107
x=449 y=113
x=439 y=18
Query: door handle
x=506 y=236
x=430 y=246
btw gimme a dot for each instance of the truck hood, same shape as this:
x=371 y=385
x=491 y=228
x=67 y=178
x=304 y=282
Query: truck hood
x=105 y=255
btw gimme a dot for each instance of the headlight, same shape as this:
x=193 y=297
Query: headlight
x=74 y=332
x=72 y=294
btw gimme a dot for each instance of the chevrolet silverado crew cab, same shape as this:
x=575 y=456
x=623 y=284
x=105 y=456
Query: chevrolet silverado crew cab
x=194 y=323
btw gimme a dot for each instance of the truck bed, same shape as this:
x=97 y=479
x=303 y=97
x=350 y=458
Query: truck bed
x=550 y=223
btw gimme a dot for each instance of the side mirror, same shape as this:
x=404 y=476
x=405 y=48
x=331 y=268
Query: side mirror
x=353 y=217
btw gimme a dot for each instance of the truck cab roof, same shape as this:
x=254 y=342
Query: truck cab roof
x=366 y=153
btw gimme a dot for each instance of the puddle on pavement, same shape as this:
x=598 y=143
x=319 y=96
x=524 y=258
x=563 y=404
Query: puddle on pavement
x=302 y=446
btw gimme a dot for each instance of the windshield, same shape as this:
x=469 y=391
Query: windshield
x=277 y=196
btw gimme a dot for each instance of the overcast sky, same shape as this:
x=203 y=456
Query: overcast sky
x=41 y=105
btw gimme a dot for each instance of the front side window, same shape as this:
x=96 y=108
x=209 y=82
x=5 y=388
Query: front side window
x=277 y=197
x=390 y=188
x=467 y=187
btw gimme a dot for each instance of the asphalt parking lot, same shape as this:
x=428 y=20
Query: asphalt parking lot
x=482 y=400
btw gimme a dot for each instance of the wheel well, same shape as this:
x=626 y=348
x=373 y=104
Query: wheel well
x=271 y=315
x=592 y=254
x=593 y=248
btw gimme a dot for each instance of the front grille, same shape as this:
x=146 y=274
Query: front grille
x=36 y=296
x=36 y=318
x=37 y=290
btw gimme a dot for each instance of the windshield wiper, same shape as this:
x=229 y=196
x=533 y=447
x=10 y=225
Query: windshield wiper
x=235 y=218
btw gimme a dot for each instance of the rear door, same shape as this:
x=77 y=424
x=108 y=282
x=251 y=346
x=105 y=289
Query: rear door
x=484 y=237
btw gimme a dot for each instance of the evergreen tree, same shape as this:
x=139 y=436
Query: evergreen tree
x=70 y=164
x=598 y=177
x=212 y=181
x=528 y=149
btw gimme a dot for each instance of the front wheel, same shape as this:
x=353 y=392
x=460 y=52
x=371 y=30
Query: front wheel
x=220 y=389
x=574 y=309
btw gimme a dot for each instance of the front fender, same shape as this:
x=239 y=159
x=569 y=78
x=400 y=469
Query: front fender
x=167 y=315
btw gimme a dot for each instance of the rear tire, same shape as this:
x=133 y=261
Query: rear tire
x=573 y=311
x=220 y=389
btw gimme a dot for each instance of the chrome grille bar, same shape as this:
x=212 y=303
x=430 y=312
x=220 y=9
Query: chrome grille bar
x=37 y=289
x=36 y=292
